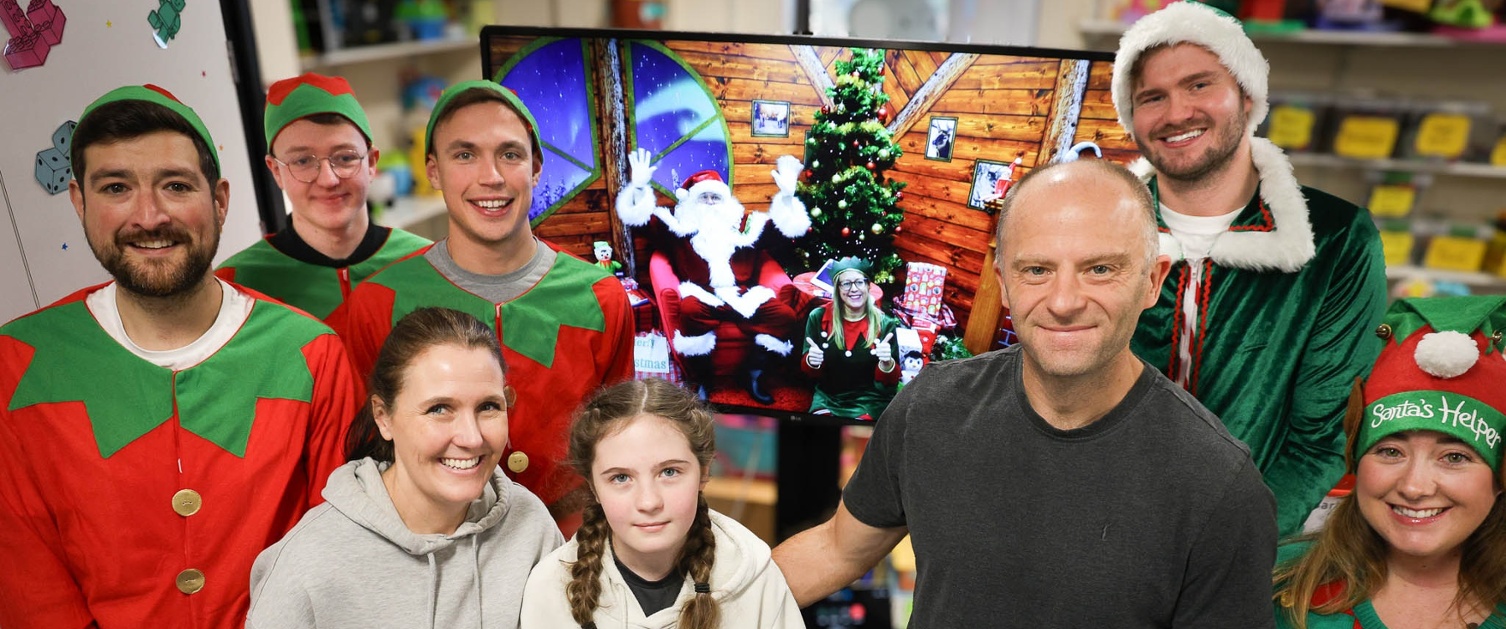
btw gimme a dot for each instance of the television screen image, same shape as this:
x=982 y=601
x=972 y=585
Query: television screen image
x=810 y=219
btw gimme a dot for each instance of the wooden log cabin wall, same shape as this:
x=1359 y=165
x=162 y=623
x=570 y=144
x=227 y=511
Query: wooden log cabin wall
x=1005 y=108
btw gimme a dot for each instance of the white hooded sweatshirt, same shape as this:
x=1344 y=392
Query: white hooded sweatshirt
x=351 y=562
x=745 y=582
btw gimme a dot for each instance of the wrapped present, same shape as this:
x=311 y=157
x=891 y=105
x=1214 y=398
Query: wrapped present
x=651 y=358
x=923 y=287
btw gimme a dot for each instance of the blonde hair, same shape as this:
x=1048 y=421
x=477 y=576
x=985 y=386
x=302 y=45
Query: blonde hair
x=605 y=414
x=839 y=312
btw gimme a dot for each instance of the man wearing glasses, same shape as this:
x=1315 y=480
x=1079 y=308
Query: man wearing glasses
x=322 y=158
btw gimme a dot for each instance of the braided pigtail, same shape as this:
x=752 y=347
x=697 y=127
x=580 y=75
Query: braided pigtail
x=697 y=559
x=584 y=590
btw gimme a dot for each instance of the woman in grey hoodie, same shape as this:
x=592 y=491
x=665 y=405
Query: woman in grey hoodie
x=420 y=528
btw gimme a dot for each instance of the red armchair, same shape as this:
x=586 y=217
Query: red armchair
x=732 y=345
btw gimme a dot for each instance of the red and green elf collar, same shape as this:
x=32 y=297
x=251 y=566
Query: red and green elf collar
x=153 y=94
x=508 y=96
x=289 y=100
x=1442 y=371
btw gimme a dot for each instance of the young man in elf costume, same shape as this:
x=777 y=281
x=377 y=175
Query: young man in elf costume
x=160 y=430
x=1274 y=287
x=564 y=324
x=322 y=158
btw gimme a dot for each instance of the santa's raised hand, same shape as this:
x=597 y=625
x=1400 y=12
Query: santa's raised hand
x=786 y=210
x=635 y=204
x=641 y=168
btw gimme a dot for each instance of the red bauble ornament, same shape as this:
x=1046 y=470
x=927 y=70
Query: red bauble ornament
x=899 y=228
x=870 y=165
x=806 y=174
x=881 y=70
x=854 y=144
x=899 y=196
x=825 y=109
x=846 y=232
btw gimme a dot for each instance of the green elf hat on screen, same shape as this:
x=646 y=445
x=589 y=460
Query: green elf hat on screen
x=852 y=263
x=310 y=94
x=153 y=94
x=447 y=98
x=1442 y=369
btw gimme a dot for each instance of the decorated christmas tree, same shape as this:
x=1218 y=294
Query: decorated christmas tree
x=854 y=208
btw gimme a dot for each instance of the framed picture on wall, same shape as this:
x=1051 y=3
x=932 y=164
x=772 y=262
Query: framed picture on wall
x=990 y=182
x=771 y=118
x=940 y=139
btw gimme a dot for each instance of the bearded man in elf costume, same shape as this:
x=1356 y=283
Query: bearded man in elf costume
x=158 y=431
x=714 y=247
x=849 y=347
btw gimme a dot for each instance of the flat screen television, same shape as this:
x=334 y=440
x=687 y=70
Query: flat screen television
x=903 y=151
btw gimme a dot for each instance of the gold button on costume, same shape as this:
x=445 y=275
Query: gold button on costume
x=190 y=581
x=187 y=502
x=517 y=462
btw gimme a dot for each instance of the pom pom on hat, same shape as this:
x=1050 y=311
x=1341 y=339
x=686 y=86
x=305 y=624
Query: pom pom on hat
x=1446 y=354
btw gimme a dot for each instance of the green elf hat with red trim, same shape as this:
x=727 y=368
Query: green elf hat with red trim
x=1442 y=369
x=302 y=96
x=508 y=96
x=156 y=95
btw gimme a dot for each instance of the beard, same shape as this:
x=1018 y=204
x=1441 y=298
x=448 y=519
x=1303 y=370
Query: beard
x=1214 y=160
x=157 y=278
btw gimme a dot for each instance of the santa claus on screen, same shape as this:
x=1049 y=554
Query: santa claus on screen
x=712 y=243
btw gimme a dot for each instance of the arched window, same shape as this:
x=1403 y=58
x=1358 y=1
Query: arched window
x=674 y=116
x=552 y=79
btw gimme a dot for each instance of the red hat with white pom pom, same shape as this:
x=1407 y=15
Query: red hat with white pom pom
x=1442 y=369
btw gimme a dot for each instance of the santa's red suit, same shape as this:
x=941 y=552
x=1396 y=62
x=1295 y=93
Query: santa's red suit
x=714 y=247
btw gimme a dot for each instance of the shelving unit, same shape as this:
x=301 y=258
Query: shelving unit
x=408 y=212
x=1098 y=29
x=1458 y=169
x=389 y=52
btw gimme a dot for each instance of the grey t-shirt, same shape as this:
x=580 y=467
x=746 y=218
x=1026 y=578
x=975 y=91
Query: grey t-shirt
x=494 y=288
x=1153 y=516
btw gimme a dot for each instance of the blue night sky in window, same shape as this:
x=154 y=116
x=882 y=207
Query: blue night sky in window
x=551 y=80
x=670 y=105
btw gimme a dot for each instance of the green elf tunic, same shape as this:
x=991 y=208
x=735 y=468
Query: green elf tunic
x=566 y=336
x=287 y=269
x=849 y=382
x=1286 y=305
x=1361 y=616
x=132 y=495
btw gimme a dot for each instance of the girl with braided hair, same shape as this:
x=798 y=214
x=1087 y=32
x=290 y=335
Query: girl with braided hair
x=649 y=552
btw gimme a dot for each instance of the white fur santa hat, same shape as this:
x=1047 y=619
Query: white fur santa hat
x=1193 y=23
x=704 y=181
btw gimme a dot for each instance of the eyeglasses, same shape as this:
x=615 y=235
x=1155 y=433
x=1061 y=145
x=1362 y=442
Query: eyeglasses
x=855 y=283
x=305 y=168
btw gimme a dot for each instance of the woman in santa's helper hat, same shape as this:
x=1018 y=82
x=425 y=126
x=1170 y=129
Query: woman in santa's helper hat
x=849 y=347
x=1421 y=541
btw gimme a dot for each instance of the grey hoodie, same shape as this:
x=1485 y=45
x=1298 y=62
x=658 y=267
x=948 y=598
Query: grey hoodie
x=745 y=582
x=351 y=562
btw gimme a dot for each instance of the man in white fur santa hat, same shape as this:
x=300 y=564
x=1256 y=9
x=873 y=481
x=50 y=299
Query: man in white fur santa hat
x=1274 y=287
x=715 y=252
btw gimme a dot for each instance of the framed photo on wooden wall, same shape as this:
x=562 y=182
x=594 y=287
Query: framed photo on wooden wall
x=990 y=182
x=771 y=118
x=940 y=139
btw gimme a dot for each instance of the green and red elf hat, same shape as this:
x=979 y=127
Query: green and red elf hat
x=508 y=96
x=302 y=96
x=1442 y=369
x=153 y=94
